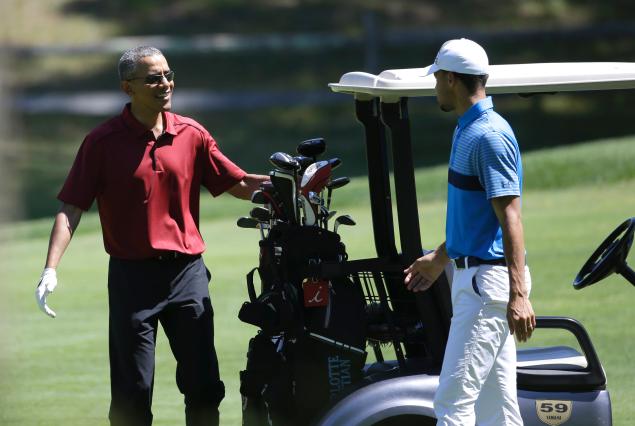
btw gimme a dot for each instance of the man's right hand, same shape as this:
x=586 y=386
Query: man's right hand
x=424 y=271
x=46 y=286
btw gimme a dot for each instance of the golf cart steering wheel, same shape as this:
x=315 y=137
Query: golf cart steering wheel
x=609 y=257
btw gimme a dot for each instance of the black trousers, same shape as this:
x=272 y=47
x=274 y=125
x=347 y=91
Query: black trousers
x=175 y=293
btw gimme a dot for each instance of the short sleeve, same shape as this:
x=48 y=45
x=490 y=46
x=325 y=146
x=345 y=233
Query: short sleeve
x=219 y=172
x=498 y=165
x=82 y=183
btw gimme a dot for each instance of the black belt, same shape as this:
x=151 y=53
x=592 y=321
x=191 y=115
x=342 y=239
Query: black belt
x=465 y=262
x=166 y=256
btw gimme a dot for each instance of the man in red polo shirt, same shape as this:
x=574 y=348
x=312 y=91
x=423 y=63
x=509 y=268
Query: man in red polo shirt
x=145 y=168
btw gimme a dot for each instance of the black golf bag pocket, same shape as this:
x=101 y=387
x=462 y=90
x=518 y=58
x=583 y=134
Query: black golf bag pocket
x=263 y=363
x=274 y=311
x=344 y=317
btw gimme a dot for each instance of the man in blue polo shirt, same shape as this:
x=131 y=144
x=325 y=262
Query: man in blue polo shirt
x=485 y=243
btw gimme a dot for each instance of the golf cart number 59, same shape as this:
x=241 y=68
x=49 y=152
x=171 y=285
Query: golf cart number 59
x=550 y=406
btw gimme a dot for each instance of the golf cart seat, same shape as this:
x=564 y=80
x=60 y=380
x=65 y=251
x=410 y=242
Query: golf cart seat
x=560 y=368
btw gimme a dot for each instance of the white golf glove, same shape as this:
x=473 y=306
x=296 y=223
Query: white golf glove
x=46 y=286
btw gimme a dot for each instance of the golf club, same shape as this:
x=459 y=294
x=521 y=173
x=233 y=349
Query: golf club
x=312 y=147
x=335 y=163
x=284 y=162
x=314 y=198
x=309 y=217
x=251 y=223
x=318 y=207
x=304 y=162
x=285 y=186
x=343 y=220
x=315 y=177
x=258 y=197
x=261 y=214
x=247 y=222
x=334 y=184
x=273 y=200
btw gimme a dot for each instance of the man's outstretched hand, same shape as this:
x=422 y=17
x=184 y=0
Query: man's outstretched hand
x=424 y=271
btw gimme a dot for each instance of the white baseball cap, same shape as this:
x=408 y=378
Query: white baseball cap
x=461 y=56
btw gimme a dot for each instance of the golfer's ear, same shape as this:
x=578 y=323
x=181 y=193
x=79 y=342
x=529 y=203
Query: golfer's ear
x=451 y=77
x=126 y=87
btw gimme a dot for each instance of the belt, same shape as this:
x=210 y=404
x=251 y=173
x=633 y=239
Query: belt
x=173 y=255
x=465 y=262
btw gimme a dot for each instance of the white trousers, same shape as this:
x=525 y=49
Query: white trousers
x=477 y=384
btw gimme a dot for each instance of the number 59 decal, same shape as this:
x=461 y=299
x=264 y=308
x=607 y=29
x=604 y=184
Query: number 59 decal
x=553 y=412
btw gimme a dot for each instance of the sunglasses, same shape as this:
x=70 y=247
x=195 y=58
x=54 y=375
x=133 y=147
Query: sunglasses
x=156 y=78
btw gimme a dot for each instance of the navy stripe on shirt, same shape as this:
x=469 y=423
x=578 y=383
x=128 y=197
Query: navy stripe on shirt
x=465 y=182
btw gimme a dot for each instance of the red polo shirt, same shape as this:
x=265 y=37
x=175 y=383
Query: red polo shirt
x=148 y=189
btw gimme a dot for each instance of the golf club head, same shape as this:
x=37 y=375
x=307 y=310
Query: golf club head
x=284 y=161
x=309 y=218
x=247 y=222
x=335 y=163
x=314 y=198
x=324 y=216
x=315 y=177
x=304 y=162
x=334 y=184
x=338 y=182
x=261 y=214
x=269 y=192
x=258 y=197
x=346 y=220
x=312 y=147
x=285 y=187
x=343 y=220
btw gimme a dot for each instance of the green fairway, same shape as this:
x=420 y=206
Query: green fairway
x=55 y=372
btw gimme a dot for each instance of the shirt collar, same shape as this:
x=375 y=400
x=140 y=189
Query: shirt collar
x=475 y=111
x=168 y=119
x=131 y=122
x=139 y=129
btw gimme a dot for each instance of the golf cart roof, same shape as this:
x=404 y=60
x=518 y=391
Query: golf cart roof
x=391 y=85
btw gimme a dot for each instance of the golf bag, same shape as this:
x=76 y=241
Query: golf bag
x=310 y=346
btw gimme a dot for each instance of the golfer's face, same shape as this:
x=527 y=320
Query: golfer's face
x=152 y=84
x=444 y=93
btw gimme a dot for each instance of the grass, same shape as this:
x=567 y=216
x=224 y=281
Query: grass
x=56 y=371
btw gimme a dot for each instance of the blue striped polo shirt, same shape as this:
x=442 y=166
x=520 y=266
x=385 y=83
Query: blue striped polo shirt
x=484 y=163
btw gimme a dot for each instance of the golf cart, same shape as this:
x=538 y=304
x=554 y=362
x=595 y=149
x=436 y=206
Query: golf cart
x=307 y=364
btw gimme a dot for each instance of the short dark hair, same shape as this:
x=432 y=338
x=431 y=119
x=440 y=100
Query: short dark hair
x=130 y=58
x=472 y=82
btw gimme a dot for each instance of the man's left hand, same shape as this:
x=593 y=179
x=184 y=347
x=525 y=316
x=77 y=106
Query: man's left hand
x=521 y=317
x=46 y=286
